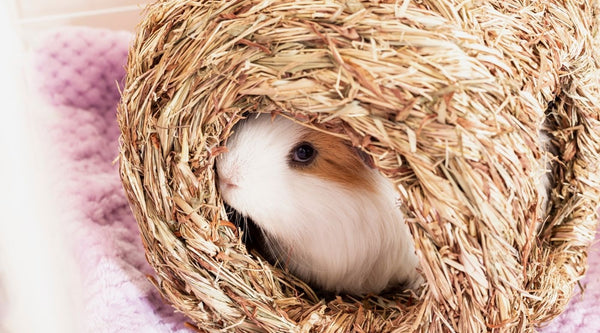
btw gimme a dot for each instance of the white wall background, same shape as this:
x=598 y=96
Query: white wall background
x=38 y=15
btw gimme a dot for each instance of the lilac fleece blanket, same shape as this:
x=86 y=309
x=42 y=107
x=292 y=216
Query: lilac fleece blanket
x=77 y=70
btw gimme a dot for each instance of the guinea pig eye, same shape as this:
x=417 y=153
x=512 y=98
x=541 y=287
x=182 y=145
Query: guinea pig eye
x=304 y=153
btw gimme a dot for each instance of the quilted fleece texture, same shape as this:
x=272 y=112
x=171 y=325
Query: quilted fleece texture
x=77 y=71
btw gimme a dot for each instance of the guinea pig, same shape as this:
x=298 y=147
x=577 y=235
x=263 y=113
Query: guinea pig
x=325 y=214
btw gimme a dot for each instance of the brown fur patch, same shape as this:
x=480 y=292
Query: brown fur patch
x=337 y=161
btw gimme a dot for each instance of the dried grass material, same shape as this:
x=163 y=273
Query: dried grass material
x=446 y=96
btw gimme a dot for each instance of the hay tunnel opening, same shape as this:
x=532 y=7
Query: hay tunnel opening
x=355 y=206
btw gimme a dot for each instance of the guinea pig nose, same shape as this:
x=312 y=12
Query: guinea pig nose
x=227 y=182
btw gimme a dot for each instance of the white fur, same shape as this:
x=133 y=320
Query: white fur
x=544 y=177
x=342 y=239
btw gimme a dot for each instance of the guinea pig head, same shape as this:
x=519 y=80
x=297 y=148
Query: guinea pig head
x=275 y=169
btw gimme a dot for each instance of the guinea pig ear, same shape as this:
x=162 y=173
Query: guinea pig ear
x=366 y=158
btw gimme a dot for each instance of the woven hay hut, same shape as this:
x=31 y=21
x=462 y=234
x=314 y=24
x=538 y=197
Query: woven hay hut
x=447 y=97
